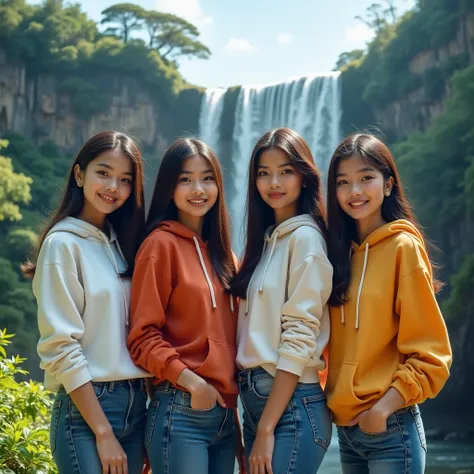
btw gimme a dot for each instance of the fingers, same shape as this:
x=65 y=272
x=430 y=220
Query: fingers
x=220 y=400
x=268 y=466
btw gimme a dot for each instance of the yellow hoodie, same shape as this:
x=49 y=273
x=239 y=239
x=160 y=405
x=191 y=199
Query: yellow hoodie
x=390 y=332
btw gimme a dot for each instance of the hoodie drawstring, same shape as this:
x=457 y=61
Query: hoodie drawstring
x=125 y=299
x=209 y=282
x=359 y=292
x=260 y=290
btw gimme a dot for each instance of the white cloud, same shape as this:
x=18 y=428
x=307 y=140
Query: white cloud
x=188 y=9
x=359 y=32
x=284 y=38
x=239 y=45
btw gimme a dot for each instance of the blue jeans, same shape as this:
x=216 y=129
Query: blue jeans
x=184 y=440
x=303 y=434
x=401 y=449
x=73 y=443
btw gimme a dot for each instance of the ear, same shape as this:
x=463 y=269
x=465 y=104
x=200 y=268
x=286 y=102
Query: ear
x=79 y=176
x=388 y=186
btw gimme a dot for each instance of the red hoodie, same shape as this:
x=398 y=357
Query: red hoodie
x=181 y=317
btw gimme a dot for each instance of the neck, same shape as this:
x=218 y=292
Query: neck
x=192 y=222
x=93 y=217
x=366 y=226
x=281 y=215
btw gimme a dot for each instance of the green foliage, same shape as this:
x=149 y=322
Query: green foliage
x=128 y=17
x=24 y=411
x=14 y=188
x=85 y=97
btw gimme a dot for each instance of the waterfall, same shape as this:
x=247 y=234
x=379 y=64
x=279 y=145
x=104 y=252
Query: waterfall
x=310 y=105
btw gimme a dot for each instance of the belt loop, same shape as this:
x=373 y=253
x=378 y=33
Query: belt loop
x=167 y=386
x=249 y=378
x=111 y=386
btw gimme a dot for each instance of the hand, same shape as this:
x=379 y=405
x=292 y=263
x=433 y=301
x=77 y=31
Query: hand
x=262 y=453
x=111 y=454
x=205 y=396
x=371 y=421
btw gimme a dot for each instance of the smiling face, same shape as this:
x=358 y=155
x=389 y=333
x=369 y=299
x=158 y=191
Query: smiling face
x=106 y=183
x=361 y=190
x=196 y=191
x=279 y=183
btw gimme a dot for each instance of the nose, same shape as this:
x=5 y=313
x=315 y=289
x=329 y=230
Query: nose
x=355 y=190
x=197 y=188
x=112 y=184
x=274 y=181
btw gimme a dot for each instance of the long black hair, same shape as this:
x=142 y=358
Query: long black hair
x=216 y=221
x=260 y=215
x=341 y=227
x=128 y=221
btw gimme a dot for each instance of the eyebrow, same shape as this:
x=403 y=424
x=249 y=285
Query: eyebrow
x=289 y=163
x=192 y=172
x=362 y=170
x=105 y=165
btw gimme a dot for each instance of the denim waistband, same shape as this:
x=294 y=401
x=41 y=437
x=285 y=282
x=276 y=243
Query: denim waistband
x=135 y=384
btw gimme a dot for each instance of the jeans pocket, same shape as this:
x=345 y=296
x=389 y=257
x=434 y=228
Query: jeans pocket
x=182 y=402
x=262 y=385
x=151 y=420
x=100 y=389
x=53 y=429
x=392 y=426
x=415 y=413
x=319 y=418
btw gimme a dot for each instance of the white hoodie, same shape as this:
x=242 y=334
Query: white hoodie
x=83 y=307
x=284 y=323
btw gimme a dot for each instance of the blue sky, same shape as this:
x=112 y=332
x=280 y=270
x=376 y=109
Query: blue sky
x=264 y=41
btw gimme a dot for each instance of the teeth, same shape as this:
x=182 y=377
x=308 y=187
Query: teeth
x=107 y=198
x=196 y=201
x=358 y=203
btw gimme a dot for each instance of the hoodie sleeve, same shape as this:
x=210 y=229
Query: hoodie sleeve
x=151 y=291
x=309 y=288
x=60 y=298
x=422 y=336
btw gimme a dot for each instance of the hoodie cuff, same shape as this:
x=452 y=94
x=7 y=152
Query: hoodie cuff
x=404 y=390
x=173 y=370
x=291 y=364
x=74 y=379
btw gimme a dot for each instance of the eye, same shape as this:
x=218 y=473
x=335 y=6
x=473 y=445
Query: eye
x=341 y=182
x=367 y=178
x=288 y=171
x=184 y=179
x=127 y=180
x=209 y=178
x=102 y=173
x=262 y=173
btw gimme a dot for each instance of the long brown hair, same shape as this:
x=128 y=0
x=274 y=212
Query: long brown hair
x=260 y=215
x=127 y=221
x=341 y=227
x=216 y=221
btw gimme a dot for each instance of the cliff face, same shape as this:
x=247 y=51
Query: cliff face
x=37 y=108
x=417 y=110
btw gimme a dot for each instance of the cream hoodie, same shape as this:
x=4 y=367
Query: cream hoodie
x=83 y=307
x=284 y=323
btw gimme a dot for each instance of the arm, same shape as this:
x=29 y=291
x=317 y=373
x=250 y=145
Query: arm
x=422 y=338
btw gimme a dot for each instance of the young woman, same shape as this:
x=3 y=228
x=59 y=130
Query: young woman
x=389 y=346
x=97 y=423
x=285 y=281
x=183 y=319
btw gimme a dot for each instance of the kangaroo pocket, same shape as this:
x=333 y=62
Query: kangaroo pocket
x=219 y=365
x=342 y=400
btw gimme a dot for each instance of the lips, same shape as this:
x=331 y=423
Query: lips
x=107 y=198
x=358 y=204
x=275 y=195
x=197 y=202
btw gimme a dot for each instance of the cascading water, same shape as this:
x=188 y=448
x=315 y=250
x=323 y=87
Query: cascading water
x=310 y=105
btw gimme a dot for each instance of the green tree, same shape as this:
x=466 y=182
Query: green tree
x=24 y=412
x=128 y=16
x=14 y=188
x=348 y=57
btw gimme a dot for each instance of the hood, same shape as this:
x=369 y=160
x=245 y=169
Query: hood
x=387 y=231
x=372 y=240
x=180 y=230
x=176 y=228
x=83 y=229
x=289 y=226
